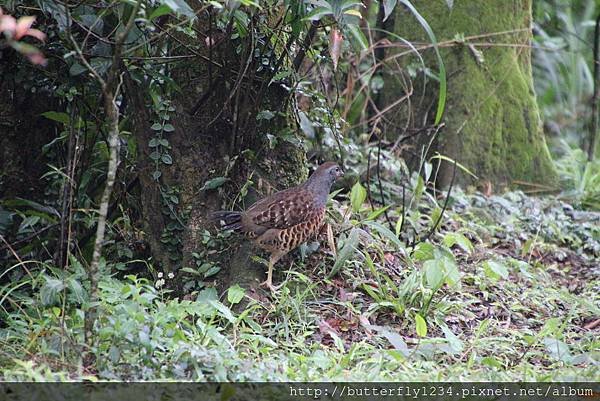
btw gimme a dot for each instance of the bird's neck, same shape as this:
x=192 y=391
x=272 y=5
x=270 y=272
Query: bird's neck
x=320 y=187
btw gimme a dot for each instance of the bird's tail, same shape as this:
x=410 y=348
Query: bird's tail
x=228 y=220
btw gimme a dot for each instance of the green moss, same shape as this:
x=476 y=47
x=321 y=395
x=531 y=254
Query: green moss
x=492 y=120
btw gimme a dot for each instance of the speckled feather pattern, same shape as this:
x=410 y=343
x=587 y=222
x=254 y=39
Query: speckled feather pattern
x=284 y=220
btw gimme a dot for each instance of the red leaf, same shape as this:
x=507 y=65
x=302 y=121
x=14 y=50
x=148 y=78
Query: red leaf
x=335 y=46
x=23 y=25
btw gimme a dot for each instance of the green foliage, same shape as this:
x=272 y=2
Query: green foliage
x=563 y=68
x=580 y=178
x=478 y=293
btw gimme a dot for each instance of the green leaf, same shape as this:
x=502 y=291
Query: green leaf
x=491 y=362
x=442 y=74
x=318 y=13
x=377 y=212
x=207 y=295
x=159 y=12
x=388 y=7
x=6 y=219
x=419 y=188
x=452 y=239
x=56 y=116
x=76 y=289
x=167 y=159
x=179 y=7
x=392 y=336
x=223 y=311
x=235 y=294
x=495 y=270
x=456 y=346
x=214 y=269
x=386 y=233
x=421 y=325
x=347 y=251
x=356 y=13
x=435 y=273
x=558 y=349
x=214 y=183
x=449 y=160
x=48 y=212
x=351 y=4
x=442 y=268
x=156 y=127
x=169 y=128
x=358 y=194
x=399 y=225
x=50 y=290
x=358 y=35
x=191 y=271
x=423 y=251
x=76 y=69
x=114 y=354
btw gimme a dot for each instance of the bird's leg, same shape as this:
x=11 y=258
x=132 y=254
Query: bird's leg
x=269 y=282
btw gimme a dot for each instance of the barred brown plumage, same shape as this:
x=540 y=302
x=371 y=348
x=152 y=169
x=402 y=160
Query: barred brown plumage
x=284 y=220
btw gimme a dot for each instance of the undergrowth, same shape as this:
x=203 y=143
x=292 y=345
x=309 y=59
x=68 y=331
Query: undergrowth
x=506 y=289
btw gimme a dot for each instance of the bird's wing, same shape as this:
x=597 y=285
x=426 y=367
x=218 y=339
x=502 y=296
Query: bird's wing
x=283 y=209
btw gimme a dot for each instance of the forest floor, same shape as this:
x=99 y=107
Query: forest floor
x=508 y=288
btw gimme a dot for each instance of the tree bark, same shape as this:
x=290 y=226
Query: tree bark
x=216 y=134
x=492 y=122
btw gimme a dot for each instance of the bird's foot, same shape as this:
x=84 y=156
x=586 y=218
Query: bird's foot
x=269 y=284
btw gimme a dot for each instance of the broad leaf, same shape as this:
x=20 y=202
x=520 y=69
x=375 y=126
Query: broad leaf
x=179 y=7
x=349 y=248
x=214 y=183
x=235 y=294
x=495 y=270
x=386 y=233
x=421 y=325
x=358 y=195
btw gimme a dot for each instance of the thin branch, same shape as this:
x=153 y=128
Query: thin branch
x=439 y=219
x=110 y=88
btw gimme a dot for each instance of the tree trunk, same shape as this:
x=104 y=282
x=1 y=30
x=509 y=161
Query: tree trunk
x=492 y=122
x=217 y=133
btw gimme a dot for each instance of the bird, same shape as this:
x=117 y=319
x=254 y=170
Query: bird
x=281 y=222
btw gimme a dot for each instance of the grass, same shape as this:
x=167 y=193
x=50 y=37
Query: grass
x=522 y=304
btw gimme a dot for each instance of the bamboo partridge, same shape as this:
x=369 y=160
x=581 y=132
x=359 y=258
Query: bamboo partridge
x=286 y=219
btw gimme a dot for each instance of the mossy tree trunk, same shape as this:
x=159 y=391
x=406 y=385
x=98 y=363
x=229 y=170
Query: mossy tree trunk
x=219 y=131
x=492 y=122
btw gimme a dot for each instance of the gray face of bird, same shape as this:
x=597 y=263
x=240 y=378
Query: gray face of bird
x=322 y=180
x=335 y=172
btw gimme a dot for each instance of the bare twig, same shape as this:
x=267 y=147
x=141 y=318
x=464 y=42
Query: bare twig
x=67 y=197
x=110 y=91
x=380 y=186
x=439 y=219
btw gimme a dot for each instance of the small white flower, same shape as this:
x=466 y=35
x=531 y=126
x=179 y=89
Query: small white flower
x=171 y=275
x=160 y=274
x=159 y=283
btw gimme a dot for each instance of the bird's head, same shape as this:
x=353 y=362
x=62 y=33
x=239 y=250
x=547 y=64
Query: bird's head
x=329 y=171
